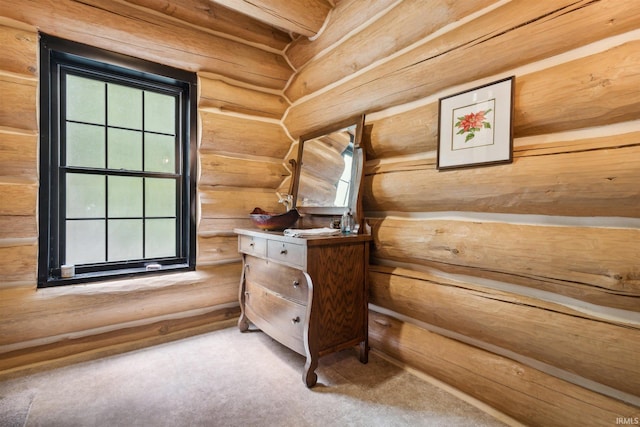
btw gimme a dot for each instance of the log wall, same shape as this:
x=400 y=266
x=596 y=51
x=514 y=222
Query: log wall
x=518 y=284
x=241 y=146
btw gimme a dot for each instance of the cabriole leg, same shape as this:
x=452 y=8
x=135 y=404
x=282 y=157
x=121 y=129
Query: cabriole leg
x=309 y=377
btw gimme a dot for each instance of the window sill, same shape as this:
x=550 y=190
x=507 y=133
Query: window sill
x=104 y=276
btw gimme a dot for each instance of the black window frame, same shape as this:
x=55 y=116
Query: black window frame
x=58 y=56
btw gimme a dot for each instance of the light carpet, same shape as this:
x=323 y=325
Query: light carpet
x=228 y=378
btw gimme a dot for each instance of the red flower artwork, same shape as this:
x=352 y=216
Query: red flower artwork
x=472 y=123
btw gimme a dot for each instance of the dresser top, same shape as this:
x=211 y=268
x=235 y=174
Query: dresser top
x=309 y=241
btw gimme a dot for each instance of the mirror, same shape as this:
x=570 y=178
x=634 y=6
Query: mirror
x=329 y=170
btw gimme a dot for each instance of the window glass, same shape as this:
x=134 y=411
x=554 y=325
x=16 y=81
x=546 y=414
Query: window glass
x=85 y=145
x=160 y=197
x=125 y=149
x=85 y=100
x=125 y=106
x=159 y=113
x=125 y=239
x=125 y=197
x=85 y=196
x=159 y=153
x=342 y=193
x=160 y=238
x=85 y=241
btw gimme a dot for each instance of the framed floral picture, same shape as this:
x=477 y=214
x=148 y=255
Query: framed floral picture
x=475 y=127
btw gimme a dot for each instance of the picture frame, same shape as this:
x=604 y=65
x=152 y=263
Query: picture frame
x=475 y=127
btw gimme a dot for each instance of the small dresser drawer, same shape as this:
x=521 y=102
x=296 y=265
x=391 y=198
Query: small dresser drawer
x=280 y=318
x=289 y=282
x=253 y=245
x=288 y=253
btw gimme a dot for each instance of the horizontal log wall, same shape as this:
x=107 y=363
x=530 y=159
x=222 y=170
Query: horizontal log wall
x=473 y=50
x=518 y=284
x=514 y=388
x=206 y=15
x=241 y=145
x=161 y=40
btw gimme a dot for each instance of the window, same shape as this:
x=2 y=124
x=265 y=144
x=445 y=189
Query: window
x=342 y=192
x=117 y=165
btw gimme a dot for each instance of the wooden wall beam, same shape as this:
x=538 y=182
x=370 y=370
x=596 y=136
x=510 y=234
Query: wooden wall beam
x=111 y=306
x=593 y=349
x=346 y=16
x=18 y=157
x=452 y=59
x=596 y=265
x=519 y=391
x=77 y=349
x=591 y=91
x=23 y=196
x=410 y=132
x=18 y=106
x=242 y=135
x=209 y=16
x=215 y=93
x=400 y=27
x=18 y=227
x=155 y=38
x=18 y=262
x=226 y=203
x=219 y=170
x=595 y=90
x=304 y=17
x=592 y=177
x=213 y=225
x=19 y=51
x=217 y=249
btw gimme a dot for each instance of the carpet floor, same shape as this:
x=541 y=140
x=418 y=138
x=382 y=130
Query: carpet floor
x=228 y=378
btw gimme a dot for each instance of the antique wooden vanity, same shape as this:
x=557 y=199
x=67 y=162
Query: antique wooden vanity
x=309 y=291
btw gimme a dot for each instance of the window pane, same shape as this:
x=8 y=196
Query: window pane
x=159 y=153
x=125 y=239
x=160 y=197
x=85 y=242
x=85 y=100
x=342 y=194
x=85 y=196
x=160 y=238
x=85 y=145
x=159 y=113
x=125 y=197
x=125 y=149
x=125 y=106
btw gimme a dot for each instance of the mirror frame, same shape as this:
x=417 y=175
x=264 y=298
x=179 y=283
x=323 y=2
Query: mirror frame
x=357 y=170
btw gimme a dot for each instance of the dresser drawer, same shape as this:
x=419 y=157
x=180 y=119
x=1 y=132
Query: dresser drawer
x=289 y=282
x=253 y=245
x=288 y=253
x=278 y=317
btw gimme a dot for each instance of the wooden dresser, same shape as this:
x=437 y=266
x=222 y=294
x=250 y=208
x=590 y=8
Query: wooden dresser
x=309 y=294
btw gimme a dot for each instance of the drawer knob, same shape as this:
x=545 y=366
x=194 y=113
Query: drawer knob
x=295 y=320
x=296 y=283
x=252 y=244
x=283 y=252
